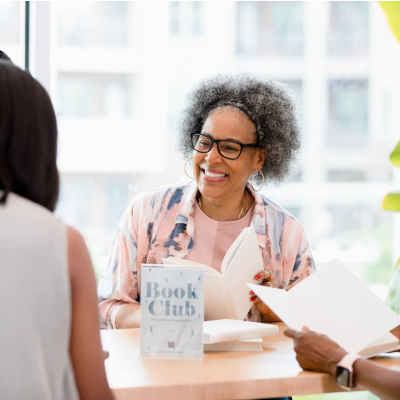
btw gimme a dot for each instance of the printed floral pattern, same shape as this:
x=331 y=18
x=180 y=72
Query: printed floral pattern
x=160 y=223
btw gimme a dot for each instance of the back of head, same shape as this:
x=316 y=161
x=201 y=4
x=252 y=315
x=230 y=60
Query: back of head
x=4 y=57
x=28 y=138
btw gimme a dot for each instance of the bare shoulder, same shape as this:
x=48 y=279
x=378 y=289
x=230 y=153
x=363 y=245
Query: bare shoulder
x=78 y=254
x=75 y=239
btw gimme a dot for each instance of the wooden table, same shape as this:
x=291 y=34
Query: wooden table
x=219 y=375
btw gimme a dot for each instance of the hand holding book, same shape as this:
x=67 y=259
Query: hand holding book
x=267 y=279
x=315 y=352
x=396 y=332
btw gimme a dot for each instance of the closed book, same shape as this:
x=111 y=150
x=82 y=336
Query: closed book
x=228 y=330
x=225 y=293
x=237 y=345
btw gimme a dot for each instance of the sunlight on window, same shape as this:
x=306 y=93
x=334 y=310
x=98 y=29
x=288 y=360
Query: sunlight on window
x=121 y=82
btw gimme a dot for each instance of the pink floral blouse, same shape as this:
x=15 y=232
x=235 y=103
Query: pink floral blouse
x=159 y=223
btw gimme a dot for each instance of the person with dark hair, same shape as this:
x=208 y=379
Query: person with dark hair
x=4 y=57
x=240 y=132
x=50 y=343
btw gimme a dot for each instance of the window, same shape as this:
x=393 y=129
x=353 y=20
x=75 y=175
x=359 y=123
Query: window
x=197 y=17
x=11 y=31
x=117 y=198
x=348 y=112
x=345 y=176
x=93 y=23
x=174 y=19
x=186 y=18
x=270 y=28
x=93 y=95
x=348 y=28
x=121 y=74
x=357 y=234
x=297 y=177
x=75 y=201
x=296 y=87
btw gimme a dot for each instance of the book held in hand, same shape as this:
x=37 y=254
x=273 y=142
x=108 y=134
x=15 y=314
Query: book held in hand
x=172 y=312
x=333 y=301
x=226 y=295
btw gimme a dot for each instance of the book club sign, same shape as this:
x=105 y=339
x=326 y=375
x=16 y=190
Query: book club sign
x=172 y=312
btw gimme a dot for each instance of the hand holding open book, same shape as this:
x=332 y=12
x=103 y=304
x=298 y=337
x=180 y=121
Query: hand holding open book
x=268 y=279
x=226 y=294
x=353 y=316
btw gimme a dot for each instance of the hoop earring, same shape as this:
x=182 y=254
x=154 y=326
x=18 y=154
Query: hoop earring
x=184 y=168
x=257 y=190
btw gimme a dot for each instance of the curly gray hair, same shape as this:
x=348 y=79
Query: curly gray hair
x=268 y=104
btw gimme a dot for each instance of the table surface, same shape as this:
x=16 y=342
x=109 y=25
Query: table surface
x=274 y=372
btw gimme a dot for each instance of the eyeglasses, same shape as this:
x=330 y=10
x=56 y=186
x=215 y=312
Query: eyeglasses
x=229 y=149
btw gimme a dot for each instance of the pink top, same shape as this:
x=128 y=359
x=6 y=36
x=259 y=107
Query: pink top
x=213 y=238
x=160 y=223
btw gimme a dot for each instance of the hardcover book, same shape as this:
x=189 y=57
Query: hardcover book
x=226 y=293
x=172 y=312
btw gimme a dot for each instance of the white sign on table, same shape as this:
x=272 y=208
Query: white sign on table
x=172 y=312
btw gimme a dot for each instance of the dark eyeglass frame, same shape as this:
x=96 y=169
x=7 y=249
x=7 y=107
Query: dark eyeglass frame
x=242 y=146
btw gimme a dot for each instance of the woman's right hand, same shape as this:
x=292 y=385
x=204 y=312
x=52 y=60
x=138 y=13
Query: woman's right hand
x=268 y=279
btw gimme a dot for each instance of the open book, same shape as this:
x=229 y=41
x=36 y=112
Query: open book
x=384 y=344
x=336 y=303
x=226 y=295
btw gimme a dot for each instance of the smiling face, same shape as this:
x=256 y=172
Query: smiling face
x=218 y=177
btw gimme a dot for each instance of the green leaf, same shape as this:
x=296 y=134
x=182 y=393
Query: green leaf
x=397 y=264
x=392 y=12
x=395 y=156
x=391 y=202
x=393 y=299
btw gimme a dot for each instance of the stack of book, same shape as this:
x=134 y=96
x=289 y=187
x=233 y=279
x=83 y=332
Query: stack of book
x=234 y=335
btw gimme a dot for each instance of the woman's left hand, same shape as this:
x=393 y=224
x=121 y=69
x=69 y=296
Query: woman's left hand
x=268 y=279
x=396 y=332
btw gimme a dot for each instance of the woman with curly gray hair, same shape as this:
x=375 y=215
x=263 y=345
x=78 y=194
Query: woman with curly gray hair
x=240 y=132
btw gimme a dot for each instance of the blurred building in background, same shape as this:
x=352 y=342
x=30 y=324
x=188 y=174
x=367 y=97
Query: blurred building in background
x=120 y=72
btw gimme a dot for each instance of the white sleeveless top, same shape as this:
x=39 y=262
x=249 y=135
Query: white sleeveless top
x=35 y=304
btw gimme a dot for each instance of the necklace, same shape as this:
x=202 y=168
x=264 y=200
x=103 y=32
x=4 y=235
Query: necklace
x=244 y=201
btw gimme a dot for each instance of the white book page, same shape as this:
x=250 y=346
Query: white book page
x=246 y=263
x=215 y=306
x=179 y=262
x=279 y=302
x=333 y=301
x=232 y=250
x=214 y=302
x=387 y=342
x=337 y=294
x=229 y=299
